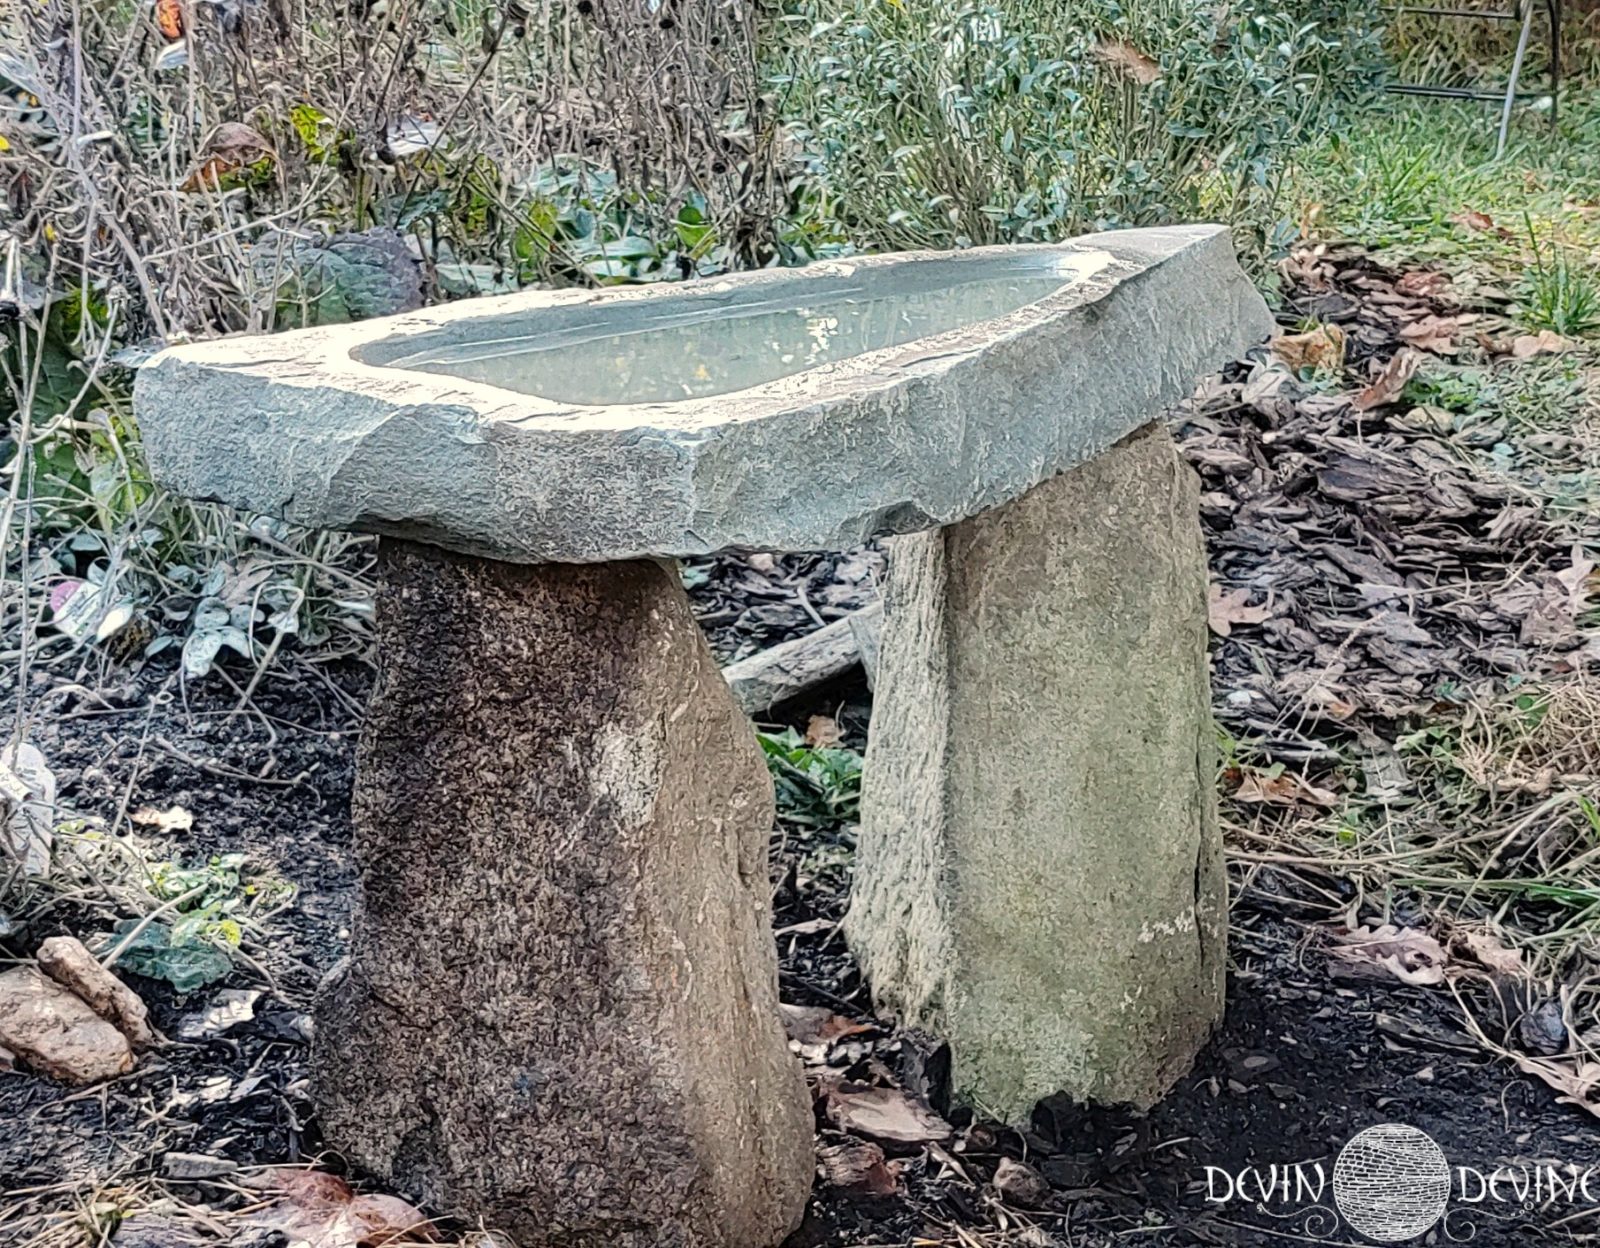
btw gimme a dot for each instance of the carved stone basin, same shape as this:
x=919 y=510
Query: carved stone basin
x=782 y=410
x=729 y=336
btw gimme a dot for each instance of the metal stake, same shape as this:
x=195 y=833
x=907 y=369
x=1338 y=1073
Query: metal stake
x=1516 y=73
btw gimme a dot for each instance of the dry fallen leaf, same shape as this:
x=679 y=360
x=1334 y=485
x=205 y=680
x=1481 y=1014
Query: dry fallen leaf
x=1549 y=610
x=169 y=18
x=319 y=1210
x=230 y=147
x=1422 y=283
x=1485 y=947
x=823 y=731
x=1548 y=621
x=815 y=1024
x=1432 y=333
x=173 y=819
x=377 y=1220
x=859 y=1167
x=1575 y=579
x=1224 y=610
x=1321 y=349
x=1407 y=953
x=1322 y=702
x=1576 y=1082
x=1480 y=222
x=1387 y=385
x=1123 y=56
x=1284 y=788
x=884 y=1114
x=312 y=1189
x=1545 y=342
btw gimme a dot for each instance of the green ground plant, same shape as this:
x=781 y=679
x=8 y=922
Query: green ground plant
x=1559 y=291
x=1420 y=177
x=815 y=786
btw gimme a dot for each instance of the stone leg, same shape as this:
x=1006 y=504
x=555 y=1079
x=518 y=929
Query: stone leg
x=560 y=1011
x=1040 y=879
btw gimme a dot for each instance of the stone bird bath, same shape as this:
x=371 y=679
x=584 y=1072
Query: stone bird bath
x=560 y=1009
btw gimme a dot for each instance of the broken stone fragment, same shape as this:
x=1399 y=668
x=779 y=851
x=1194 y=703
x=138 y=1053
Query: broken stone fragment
x=65 y=960
x=160 y=1227
x=55 y=1033
x=196 y=1166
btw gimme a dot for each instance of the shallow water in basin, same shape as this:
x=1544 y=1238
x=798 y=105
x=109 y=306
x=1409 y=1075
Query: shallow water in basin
x=693 y=349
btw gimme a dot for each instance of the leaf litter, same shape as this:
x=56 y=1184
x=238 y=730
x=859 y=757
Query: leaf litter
x=1399 y=554
x=1413 y=726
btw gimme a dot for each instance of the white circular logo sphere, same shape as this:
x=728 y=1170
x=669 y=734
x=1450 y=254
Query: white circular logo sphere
x=1391 y=1182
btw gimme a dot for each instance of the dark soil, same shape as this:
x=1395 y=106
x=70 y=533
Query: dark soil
x=1301 y=1064
x=241 y=1094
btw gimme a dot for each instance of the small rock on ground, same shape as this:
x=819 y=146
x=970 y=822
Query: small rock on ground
x=196 y=1166
x=66 y=960
x=1021 y=1183
x=57 y=1034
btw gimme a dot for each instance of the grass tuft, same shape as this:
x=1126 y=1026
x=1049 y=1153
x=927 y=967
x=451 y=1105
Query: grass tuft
x=1558 y=292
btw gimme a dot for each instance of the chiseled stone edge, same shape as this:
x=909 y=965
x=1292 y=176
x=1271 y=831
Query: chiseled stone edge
x=892 y=442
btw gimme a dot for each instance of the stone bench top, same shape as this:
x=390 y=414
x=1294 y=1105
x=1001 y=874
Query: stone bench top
x=787 y=409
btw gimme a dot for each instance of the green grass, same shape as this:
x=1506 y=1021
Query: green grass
x=1547 y=394
x=1560 y=290
x=1420 y=178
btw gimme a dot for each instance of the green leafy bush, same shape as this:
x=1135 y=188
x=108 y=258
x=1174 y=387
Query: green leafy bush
x=1014 y=121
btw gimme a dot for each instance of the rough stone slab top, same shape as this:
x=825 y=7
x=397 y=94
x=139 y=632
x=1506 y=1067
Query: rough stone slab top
x=788 y=409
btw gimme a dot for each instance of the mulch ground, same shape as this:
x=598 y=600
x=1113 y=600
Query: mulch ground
x=1341 y=541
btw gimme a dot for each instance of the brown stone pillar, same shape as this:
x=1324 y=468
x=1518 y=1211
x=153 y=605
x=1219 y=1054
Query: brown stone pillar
x=1040 y=870
x=560 y=1009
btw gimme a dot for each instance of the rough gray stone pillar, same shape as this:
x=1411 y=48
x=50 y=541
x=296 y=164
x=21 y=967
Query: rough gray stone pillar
x=1040 y=876
x=560 y=1012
